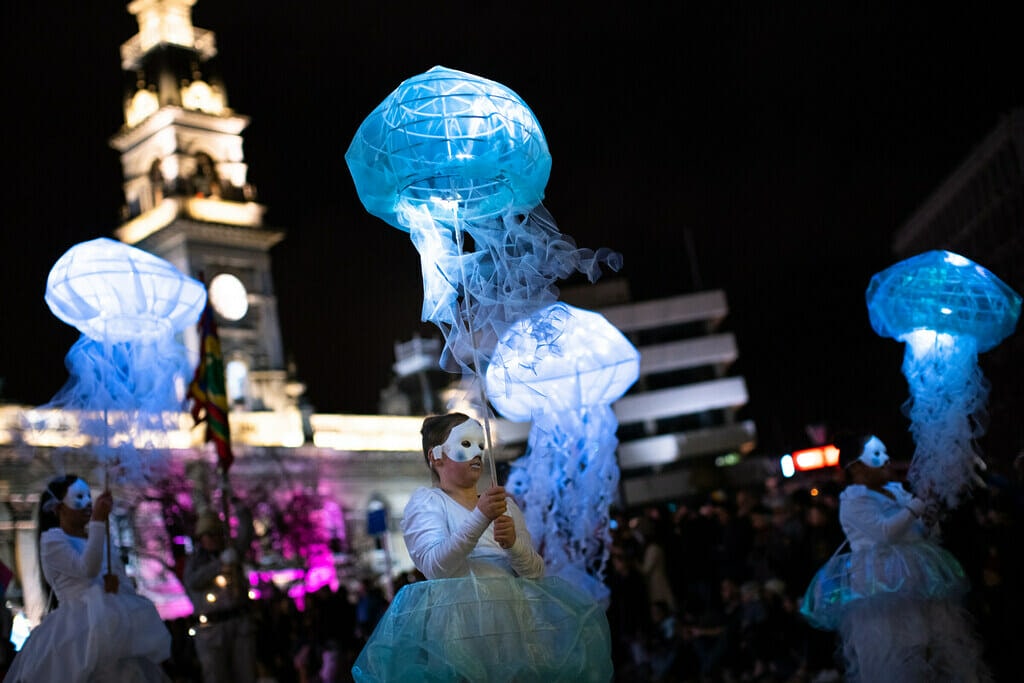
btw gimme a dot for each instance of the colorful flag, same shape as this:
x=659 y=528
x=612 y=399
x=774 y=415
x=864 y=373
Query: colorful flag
x=208 y=390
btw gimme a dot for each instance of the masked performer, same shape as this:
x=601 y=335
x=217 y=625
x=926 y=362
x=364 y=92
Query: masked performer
x=896 y=596
x=97 y=628
x=486 y=611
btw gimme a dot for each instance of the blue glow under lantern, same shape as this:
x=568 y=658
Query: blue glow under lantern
x=947 y=309
x=562 y=368
x=460 y=163
x=453 y=144
x=128 y=369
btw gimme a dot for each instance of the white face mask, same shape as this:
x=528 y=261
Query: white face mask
x=874 y=453
x=78 y=496
x=464 y=442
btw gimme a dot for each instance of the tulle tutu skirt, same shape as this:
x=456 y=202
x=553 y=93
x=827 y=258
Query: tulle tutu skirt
x=921 y=571
x=911 y=641
x=489 y=629
x=98 y=637
x=900 y=615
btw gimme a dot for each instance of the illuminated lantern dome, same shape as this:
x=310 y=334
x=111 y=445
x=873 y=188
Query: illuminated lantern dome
x=947 y=309
x=561 y=358
x=944 y=293
x=451 y=143
x=114 y=293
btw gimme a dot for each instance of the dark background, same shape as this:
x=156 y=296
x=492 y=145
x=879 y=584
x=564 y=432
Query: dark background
x=785 y=143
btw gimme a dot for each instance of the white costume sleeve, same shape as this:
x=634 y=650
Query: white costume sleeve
x=436 y=551
x=863 y=517
x=58 y=556
x=524 y=559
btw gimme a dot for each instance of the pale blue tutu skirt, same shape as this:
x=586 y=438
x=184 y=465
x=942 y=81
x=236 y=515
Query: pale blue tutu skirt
x=920 y=571
x=489 y=629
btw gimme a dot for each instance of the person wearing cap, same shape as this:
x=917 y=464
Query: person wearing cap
x=225 y=633
x=896 y=598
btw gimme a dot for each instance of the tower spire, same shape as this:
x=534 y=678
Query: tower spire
x=187 y=198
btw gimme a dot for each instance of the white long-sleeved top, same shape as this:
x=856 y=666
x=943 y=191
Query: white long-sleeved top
x=72 y=564
x=446 y=540
x=869 y=518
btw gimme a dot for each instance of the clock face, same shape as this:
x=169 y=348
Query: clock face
x=228 y=296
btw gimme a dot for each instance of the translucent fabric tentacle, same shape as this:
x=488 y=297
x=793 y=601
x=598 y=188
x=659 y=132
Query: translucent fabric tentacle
x=125 y=397
x=505 y=272
x=947 y=410
x=568 y=481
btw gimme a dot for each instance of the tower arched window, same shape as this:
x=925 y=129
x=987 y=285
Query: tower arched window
x=205 y=182
x=236 y=378
x=156 y=185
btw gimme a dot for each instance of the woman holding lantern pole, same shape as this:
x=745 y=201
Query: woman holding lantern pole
x=896 y=597
x=96 y=627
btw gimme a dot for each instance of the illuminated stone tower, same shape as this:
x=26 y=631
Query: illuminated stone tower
x=187 y=198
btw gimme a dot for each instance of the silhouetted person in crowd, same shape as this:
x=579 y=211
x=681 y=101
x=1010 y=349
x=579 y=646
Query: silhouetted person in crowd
x=225 y=639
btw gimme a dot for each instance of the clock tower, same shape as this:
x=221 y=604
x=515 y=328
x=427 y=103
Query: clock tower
x=187 y=199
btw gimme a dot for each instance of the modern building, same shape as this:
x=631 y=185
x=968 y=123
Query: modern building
x=679 y=426
x=978 y=212
x=679 y=430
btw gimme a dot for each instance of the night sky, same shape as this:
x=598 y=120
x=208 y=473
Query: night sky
x=785 y=143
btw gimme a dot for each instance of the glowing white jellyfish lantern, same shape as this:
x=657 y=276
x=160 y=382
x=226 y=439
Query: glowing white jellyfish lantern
x=127 y=369
x=563 y=367
x=455 y=145
x=947 y=309
x=113 y=292
x=561 y=358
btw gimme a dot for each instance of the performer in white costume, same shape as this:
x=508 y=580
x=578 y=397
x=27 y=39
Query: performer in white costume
x=486 y=612
x=896 y=596
x=449 y=529
x=100 y=629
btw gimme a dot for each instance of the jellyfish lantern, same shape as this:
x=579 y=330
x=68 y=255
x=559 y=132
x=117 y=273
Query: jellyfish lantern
x=460 y=163
x=451 y=145
x=126 y=371
x=947 y=309
x=563 y=367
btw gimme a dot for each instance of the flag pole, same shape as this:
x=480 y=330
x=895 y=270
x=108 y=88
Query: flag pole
x=238 y=576
x=106 y=487
x=208 y=391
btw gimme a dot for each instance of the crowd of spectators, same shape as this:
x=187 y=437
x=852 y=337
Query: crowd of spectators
x=701 y=589
x=737 y=564
x=312 y=641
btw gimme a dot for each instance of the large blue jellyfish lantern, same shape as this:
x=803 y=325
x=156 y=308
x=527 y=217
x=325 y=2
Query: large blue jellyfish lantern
x=460 y=162
x=452 y=144
x=563 y=367
x=127 y=370
x=947 y=309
